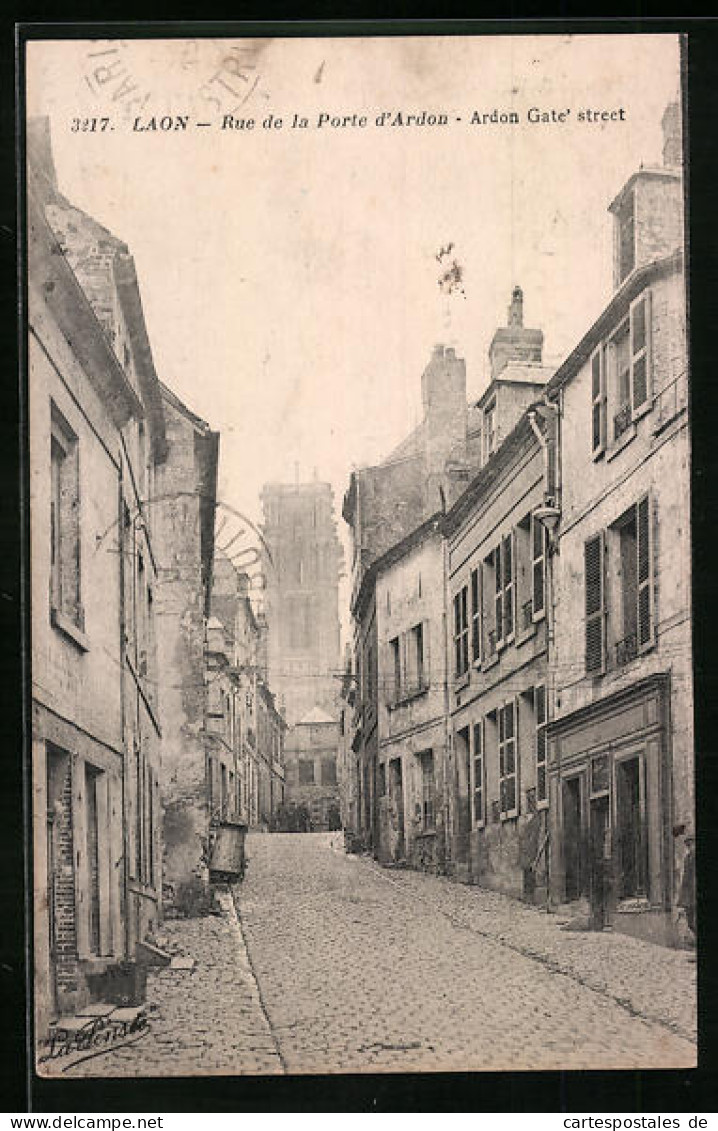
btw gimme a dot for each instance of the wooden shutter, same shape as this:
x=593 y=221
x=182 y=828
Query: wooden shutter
x=499 y=595
x=640 y=352
x=426 y=675
x=595 y=604
x=478 y=773
x=476 y=614
x=598 y=402
x=509 y=567
x=644 y=572
x=538 y=568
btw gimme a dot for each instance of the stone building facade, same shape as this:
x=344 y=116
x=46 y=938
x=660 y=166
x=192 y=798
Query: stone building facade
x=311 y=760
x=183 y=516
x=97 y=439
x=621 y=758
x=413 y=767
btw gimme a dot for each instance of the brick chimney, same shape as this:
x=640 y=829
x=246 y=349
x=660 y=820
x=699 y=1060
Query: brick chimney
x=648 y=211
x=672 y=136
x=443 y=391
x=514 y=342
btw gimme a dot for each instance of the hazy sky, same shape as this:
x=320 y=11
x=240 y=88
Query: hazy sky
x=289 y=278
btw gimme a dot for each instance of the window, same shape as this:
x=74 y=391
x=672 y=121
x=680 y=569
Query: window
x=417 y=674
x=624 y=554
x=508 y=792
x=478 y=771
x=539 y=538
x=630 y=828
x=504 y=590
x=630 y=373
x=382 y=779
x=306 y=771
x=523 y=548
x=476 y=615
x=489 y=429
x=634 y=567
x=595 y=631
x=395 y=686
x=541 y=767
x=428 y=792
x=621 y=372
x=329 y=771
x=598 y=402
x=64 y=521
x=626 y=237
x=461 y=632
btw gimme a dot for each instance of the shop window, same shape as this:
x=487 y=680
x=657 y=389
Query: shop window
x=428 y=791
x=631 y=846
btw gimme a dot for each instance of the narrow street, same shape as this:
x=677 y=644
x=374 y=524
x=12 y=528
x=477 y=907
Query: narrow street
x=349 y=967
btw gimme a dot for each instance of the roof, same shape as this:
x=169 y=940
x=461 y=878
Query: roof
x=616 y=309
x=521 y=436
x=394 y=554
x=316 y=715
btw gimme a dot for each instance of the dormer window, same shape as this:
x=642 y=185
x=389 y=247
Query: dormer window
x=626 y=236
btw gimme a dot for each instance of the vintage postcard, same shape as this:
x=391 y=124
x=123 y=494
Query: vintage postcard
x=362 y=712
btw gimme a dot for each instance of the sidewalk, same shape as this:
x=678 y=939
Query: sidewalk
x=204 y=1019
x=655 y=983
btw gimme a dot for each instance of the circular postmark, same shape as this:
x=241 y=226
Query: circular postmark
x=201 y=77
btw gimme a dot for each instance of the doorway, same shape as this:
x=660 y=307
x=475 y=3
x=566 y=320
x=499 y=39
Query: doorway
x=396 y=781
x=572 y=838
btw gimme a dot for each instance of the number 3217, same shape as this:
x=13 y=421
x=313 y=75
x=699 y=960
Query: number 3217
x=89 y=125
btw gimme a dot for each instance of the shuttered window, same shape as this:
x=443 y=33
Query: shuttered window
x=640 y=352
x=595 y=604
x=508 y=586
x=499 y=596
x=508 y=786
x=475 y=614
x=598 y=402
x=538 y=567
x=644 y=548
x=478 y=764
x=461 y=632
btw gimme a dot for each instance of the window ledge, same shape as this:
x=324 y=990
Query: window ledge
x=526 y=634
x=407 y=697
x=622 y=442
x=461 y=681
x=491 y=662
x=68 y=628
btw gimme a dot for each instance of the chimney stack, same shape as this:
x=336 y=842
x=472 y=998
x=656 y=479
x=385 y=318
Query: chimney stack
x=515 y=343
x=672 y=136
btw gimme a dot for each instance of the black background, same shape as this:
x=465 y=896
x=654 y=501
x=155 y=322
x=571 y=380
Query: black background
x=598 y=1092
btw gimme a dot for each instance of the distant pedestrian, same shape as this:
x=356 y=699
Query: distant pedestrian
x=687 y=894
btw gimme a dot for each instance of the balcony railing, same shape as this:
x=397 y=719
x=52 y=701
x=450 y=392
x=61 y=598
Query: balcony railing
x=491 y=642
x=621 y=421
x=626 y=650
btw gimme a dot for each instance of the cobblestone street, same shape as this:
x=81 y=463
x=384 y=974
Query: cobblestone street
x=363 y=969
